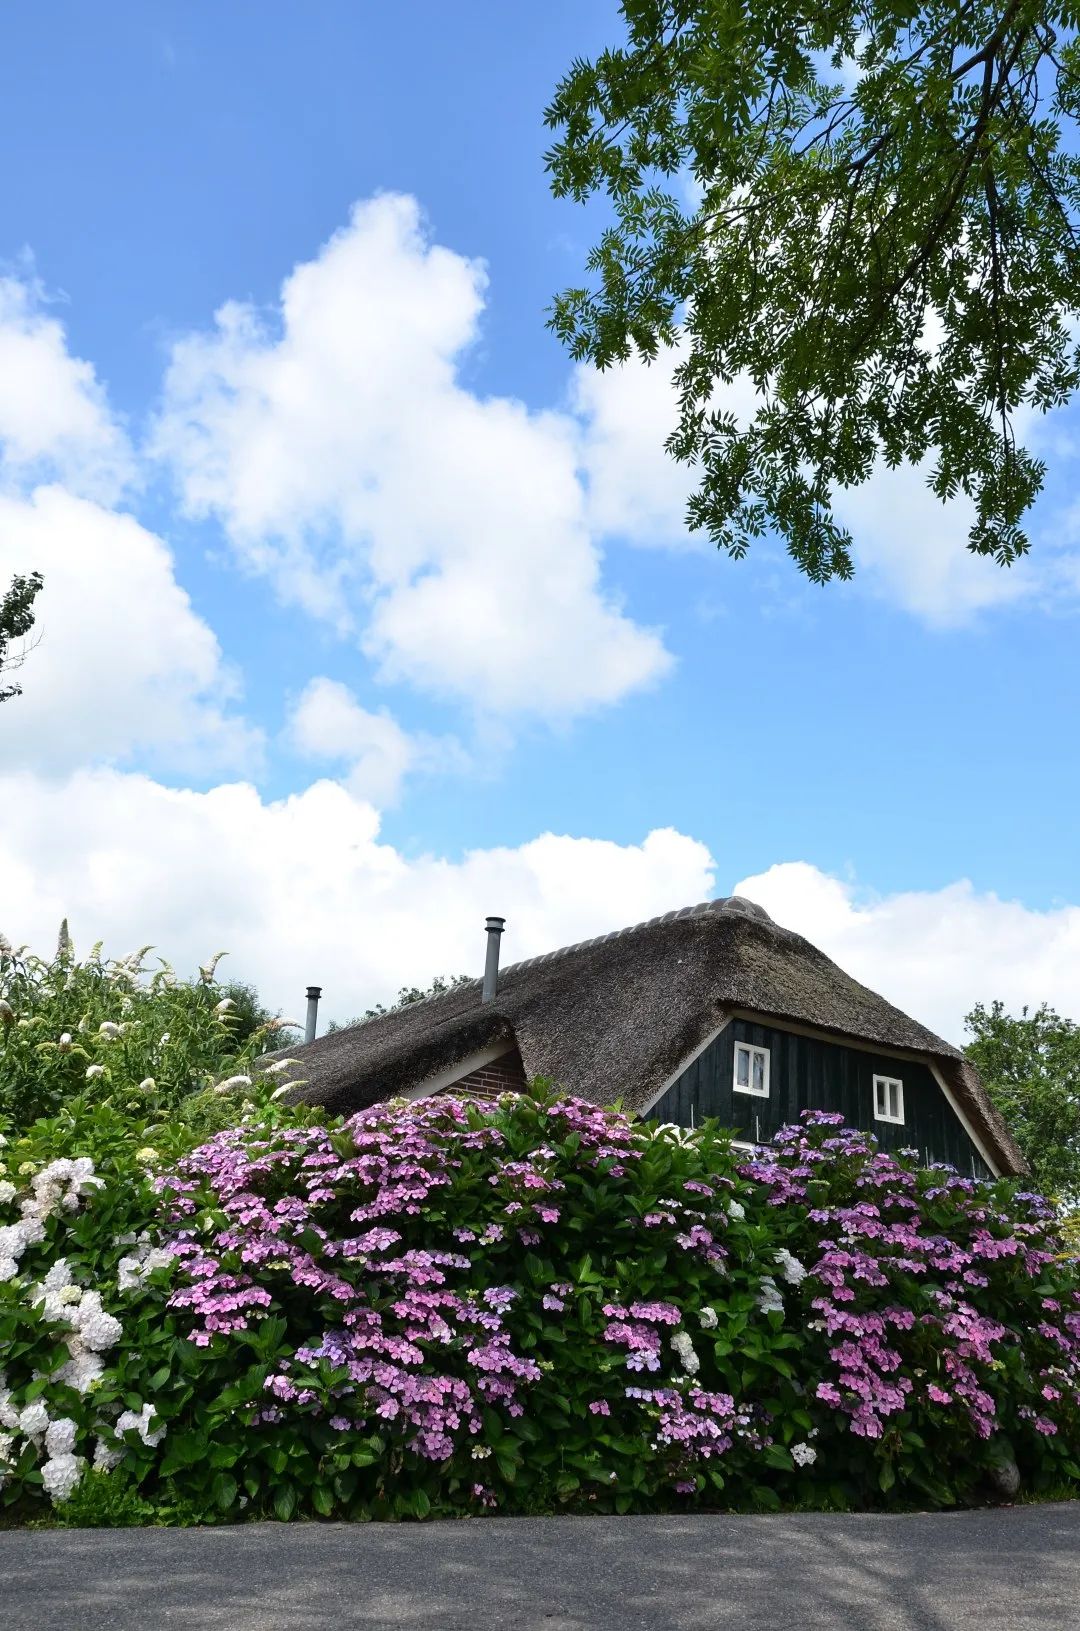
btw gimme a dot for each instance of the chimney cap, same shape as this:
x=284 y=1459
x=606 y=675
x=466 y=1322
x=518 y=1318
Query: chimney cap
x=314 y=991
x=496 y=924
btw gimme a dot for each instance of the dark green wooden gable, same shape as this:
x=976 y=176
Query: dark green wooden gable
x=808 y=1073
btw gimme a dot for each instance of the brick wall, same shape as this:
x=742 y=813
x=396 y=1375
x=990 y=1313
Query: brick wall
x=503 y=1075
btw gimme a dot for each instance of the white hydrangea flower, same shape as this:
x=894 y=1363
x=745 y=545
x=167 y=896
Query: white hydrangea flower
x=9 y=1416
x=97 y=1329
x=94 y=1070
x=128 y=1273
x=33 y=1420
x=82 y=1173
x=59 y=1275
x=8 y=1269
x=683 y=1346
x=83 y=1368
x=108 y=1028
x=736 y=1211
x=790 y=1267
x=770 y=1301
x=708 y=1319
x=57 y=1297
x=134 y=1268
x=106 y=1456
x=147 y=1085
x=803 y=1455
x=60 y=1436
x=6 y=1441
x=7 y=1192
x=60 y=1475
x=139 y=1422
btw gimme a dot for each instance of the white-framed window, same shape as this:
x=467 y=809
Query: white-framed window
x=888 y=1099
x=751 y=1070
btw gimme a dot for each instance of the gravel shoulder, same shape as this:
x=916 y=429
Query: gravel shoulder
x=1011 y=1569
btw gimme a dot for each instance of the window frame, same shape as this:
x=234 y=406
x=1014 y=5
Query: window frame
x=888 y=1083
x=753 y=1049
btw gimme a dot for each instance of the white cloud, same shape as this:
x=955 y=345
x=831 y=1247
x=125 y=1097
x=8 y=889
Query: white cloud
x=934 y=953
x=122 y=664
x=636 y=491
x=302 y=889
x=345 y=458
x=54 y=417
x=911 y=549
x=327 y=723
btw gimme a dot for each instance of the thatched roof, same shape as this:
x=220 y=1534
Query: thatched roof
x=615 y=1017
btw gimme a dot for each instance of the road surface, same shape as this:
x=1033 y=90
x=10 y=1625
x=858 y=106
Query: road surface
x=1011 y=1569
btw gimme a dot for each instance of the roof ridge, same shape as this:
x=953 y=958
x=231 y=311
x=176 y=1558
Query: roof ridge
x=620 y=934
x=718 y=904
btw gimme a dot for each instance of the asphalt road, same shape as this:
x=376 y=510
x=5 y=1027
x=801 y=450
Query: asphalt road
x=1013 y=1569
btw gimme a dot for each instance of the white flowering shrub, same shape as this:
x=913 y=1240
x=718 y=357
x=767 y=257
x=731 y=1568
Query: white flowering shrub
x=85 y=1348
x=62 y=1222
x=116 y=1031
x=134 y=1069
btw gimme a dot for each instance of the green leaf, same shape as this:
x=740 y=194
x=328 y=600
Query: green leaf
x=223 y=1491
x=284 y=1502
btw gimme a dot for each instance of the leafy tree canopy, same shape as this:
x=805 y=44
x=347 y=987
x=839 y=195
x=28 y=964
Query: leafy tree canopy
x=408 y=994
x=883 y=246
x=16 y=621
x=1031 y=1067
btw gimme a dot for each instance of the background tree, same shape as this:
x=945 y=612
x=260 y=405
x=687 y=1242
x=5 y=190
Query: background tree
x=882 y=240
x=16 y=621
x=408 y=994
x=1031 y=1067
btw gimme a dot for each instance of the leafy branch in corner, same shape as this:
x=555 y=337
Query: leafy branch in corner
x=880 y=254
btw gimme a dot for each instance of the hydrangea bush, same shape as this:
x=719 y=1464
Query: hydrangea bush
x=442 y=1307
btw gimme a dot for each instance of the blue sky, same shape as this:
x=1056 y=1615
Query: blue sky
x=885 y=758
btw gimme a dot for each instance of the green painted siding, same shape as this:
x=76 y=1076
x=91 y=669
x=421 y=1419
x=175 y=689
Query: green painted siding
x=806 y=1073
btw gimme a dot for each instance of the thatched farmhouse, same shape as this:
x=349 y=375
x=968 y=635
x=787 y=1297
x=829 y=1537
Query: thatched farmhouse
x=710 y=1011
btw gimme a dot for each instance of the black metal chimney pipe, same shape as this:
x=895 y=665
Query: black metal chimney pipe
x=314 y=992
x=495 y=927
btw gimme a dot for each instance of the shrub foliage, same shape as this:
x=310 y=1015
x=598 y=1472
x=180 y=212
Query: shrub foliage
x=149 y=1038
x=536 y=1306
